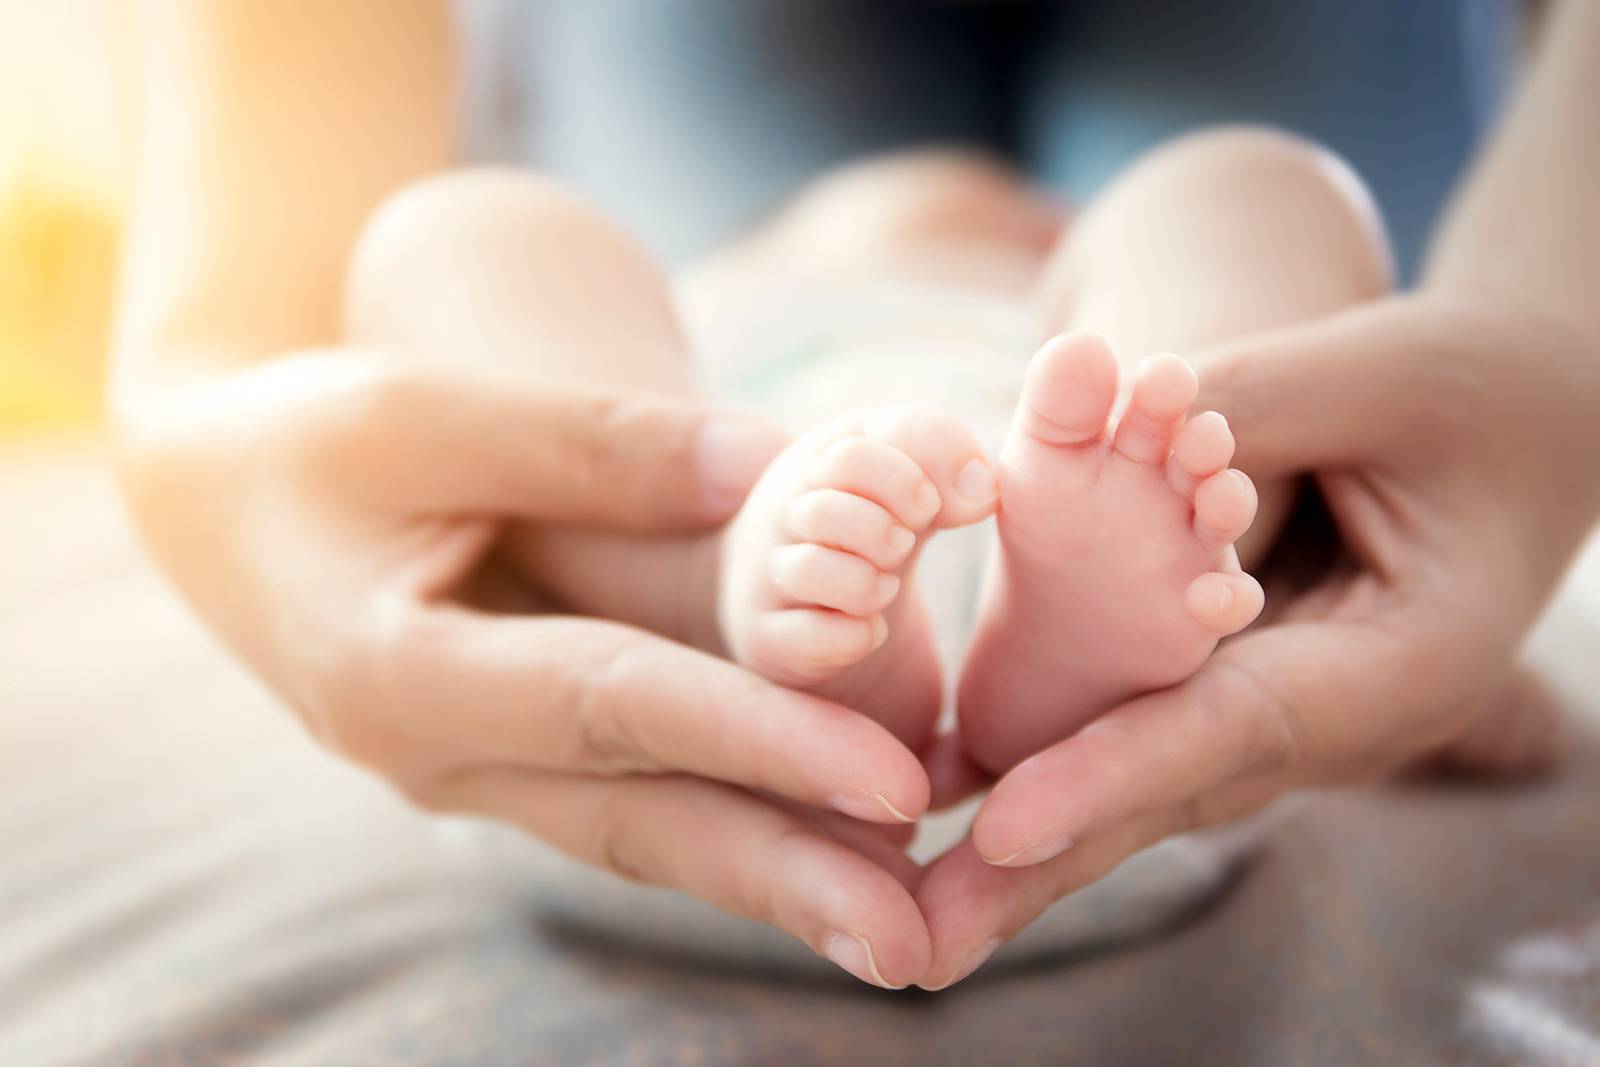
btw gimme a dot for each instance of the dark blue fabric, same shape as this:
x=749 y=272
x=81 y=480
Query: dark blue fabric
x=689 y=119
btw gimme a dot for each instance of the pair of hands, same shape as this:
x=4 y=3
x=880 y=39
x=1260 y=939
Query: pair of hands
x=326 y=513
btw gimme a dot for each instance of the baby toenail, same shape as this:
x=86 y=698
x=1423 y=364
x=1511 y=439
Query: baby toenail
x=927 y=502
x=901 y=540
x=888 y=586
x=976 y=482
x=1224 y=600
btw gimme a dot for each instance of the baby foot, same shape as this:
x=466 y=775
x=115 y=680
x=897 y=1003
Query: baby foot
x=1115 y=572
x=816 y=567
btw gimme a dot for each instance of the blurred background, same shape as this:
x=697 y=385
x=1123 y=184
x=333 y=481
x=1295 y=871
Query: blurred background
x=65 y=98
x=67 y=93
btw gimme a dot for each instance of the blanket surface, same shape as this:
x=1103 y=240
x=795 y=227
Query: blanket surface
x=186 y=880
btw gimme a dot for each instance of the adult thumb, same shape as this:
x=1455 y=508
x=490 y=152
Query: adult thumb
x=1336 y=391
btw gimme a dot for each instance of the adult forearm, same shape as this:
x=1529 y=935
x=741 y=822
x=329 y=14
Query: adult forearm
x=268 y=133
x=1526 y=225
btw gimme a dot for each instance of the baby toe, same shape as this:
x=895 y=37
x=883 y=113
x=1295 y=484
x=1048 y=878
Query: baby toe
x=803 y=646
x=850 y=523
x=948 y=454
x=1224 y=603
x=883 y=474
x=1162 y=392
x=1203 y=447
x=1069 y=390
x=814 y=574
x=1224 y=507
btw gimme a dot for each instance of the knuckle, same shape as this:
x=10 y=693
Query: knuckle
x=377 y=398
x=364 y=405
x=629 y=449
x=1188 y=814
x=1270 y=728
x=601 y=734
x=619 y=846
x=357 y=692
x=599 y=741
x=756 y=893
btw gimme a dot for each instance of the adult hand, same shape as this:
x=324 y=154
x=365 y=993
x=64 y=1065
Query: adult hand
x=323 y=511
x=1455 y=449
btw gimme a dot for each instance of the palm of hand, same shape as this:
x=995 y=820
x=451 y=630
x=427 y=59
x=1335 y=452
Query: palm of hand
x=1448 y=546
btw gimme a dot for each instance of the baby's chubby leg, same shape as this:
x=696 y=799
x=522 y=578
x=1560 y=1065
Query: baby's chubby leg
x=526 y=281
x=1115 y=572
x=1213 y=236
x=810 y=584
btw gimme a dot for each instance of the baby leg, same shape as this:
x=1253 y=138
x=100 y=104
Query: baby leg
x=1115 y=571
x=810 y=584
x=508 y=274
x=805 y=561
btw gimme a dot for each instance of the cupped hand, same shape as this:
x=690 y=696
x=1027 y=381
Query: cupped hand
x=326 y=512
x=1455 y=450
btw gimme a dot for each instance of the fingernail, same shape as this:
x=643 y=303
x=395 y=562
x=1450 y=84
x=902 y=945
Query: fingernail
x=969 y=963
x=854 y=954
x=868 y=807
x=976 y=482
x=730 y=453
x=1029 y=855
x=901 y=540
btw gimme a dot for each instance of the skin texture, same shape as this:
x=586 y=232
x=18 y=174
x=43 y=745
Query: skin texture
x=1369 y=668
x=815 y=584
x=1115 y=572
x=1454 y=538
x=248 y=427
x=326 y=504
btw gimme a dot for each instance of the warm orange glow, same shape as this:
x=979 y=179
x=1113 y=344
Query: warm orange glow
x=62 y=138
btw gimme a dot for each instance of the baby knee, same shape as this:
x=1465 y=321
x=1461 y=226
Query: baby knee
x=477 y=221
x=1264 y=154
x=1269 y=162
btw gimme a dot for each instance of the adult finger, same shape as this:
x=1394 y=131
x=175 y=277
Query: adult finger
x=761 y=862
x=596 y=697
x=1336 y=391
x=883 y=844
x=1286 y=695
x=1518 y=733
x=973 y=907
x=449 y=440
